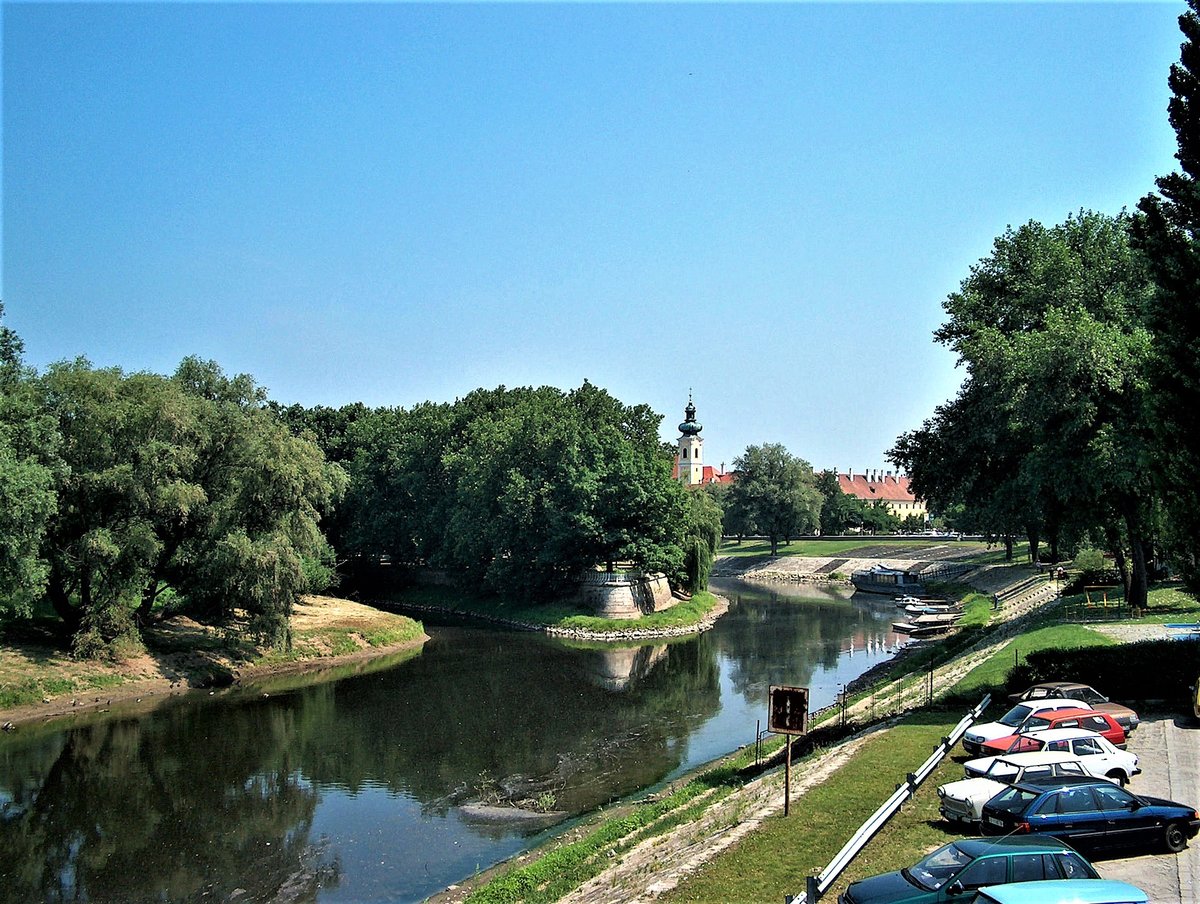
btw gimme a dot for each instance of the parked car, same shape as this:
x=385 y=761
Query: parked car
x=1011 y=722
x=1090 y=814
x=1097 y=754
x=1075 y=891
x=963 y=800
x=1101 y=723
x=969 y=864
x=1073 y=690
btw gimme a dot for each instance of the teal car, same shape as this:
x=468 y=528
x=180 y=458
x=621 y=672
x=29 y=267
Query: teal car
x=956 y=870
x=1076 y=891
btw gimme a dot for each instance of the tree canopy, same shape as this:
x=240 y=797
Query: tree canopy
x=775 y=493
x=518 y=490
x=122 y=489
x=1049 y=430
x=1168 y=232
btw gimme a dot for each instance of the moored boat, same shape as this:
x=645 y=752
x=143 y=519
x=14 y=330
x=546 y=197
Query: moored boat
x=878 y=579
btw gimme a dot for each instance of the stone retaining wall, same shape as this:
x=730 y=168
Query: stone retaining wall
x=627 y=596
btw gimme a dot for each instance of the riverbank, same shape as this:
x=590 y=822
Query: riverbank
x=693 y=616
x=651 y=860
x=40 y=681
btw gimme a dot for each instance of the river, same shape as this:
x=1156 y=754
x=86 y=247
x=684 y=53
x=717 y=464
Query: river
x=385 y=784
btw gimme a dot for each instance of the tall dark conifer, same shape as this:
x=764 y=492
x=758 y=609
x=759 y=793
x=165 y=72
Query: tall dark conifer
x=1168 y=230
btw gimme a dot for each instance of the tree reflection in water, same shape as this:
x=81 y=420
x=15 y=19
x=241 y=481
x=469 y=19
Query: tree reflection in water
x=358 y=789
x=183 y=806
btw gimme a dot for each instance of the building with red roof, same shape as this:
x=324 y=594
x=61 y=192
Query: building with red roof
x=892 y=488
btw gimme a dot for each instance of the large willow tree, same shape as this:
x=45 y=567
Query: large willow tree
x=184 y=484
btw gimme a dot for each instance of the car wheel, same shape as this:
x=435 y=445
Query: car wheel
x=1175 y=837
x=1117 y=776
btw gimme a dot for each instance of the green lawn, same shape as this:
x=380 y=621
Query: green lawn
x=775 y=860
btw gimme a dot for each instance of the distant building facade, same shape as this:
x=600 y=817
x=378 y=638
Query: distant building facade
x=892 y=488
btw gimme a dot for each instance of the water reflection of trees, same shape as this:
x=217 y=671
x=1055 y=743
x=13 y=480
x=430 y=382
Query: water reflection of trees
x=185 y=806
x=504 y=718
x=773 y=636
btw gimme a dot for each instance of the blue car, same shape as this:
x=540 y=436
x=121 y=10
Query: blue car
x=1089 y=813
x=1075 y=891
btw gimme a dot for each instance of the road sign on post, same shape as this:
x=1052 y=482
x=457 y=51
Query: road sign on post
x=788 y=715
x=789 y=710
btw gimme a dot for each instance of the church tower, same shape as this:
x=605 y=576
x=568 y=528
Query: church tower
x=691 y=447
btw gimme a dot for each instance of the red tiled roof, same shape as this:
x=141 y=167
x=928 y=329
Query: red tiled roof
x=890 y=488
x=708 y=474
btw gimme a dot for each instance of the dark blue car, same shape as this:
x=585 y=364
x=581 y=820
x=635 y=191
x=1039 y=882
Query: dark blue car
x=1089 y=813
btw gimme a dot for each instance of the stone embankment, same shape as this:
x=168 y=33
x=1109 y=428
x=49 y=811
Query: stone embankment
x=837 y=569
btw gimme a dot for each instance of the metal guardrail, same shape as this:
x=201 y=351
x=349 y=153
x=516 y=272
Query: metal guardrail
x=818 y=885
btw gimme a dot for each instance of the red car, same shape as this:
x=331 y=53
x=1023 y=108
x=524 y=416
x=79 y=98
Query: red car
x=1088 y=719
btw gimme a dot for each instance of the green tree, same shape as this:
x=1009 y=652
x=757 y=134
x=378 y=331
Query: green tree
x=516 y=491
x=1168 y=231
x=702 y=538
x=186 y=483
x=777 y=491
x=28 y=464
x=1049 y=429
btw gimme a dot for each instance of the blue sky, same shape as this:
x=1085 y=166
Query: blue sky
x=765 y=204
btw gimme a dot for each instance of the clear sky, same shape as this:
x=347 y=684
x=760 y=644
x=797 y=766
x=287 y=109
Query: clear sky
x=765 y=204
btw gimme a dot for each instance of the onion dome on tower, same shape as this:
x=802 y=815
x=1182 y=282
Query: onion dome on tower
x=689 y=427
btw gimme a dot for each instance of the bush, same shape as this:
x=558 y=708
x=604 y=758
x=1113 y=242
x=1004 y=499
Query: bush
x=1150 y=670
x=107 y=632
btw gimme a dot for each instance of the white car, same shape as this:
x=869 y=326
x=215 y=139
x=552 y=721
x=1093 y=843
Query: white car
x=1097 y=754
x=1011 y=722
x=963 y=800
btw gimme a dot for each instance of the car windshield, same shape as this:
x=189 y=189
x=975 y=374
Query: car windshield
x=1002 y=771
x=1022 y=744
x=1087 y=695
x=1012 y=800
x=1016 y=715
x=939 y=867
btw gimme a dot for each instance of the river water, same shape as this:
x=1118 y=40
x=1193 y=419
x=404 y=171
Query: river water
x=389 y=782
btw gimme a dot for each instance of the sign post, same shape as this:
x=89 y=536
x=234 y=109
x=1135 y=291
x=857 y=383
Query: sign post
x=788 y=715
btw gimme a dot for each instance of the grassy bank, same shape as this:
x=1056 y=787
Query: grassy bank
x=37 y=671
x=687 y=613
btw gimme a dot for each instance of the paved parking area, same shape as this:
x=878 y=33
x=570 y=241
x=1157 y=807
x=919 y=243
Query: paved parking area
x=1168 y=749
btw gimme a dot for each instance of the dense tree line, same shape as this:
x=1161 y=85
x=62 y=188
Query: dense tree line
x=130 y=494
x=128 y=491
x=1077 y=420
x=518 y=490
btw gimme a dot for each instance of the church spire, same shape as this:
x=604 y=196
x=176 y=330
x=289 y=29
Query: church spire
x=690 y=460
x=690 y=427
